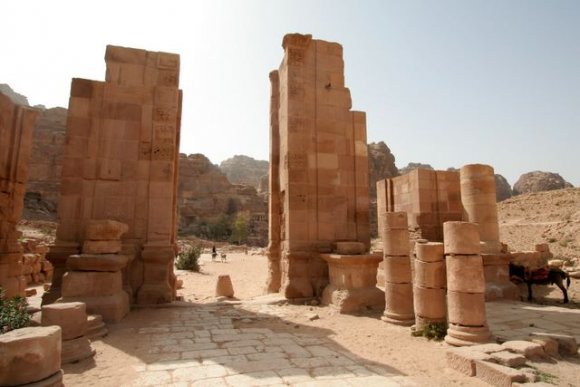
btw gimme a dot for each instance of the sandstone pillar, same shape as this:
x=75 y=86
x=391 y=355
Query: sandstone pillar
x=429 y=285
x=274 y=274
x=72 y=319
x=465 y=285
x=397 y=264
x=16 y=123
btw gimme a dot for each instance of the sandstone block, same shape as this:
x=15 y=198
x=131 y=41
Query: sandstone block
x=76 y=349
x=350 y=248
x=497 y=375
x=96 y=327
x=463 y=359
x=112 y=308
x=526 y=348
x=465 y=273
x=466 y=308
x=71 y=317
x=29 y=355
x=224 y=287
x=459 y=335
x=97 y=262
x=396 y=242
x=91 y=283
x=429 y=303
x=105 y=230
x=430 y=251
x=488 y=348
x=549 y=345
x=102 y=247
x=430 y=274
x=567 y=344
x=399 y=304
x=395 y=220
x=508 y=359
x=397 y=269
x=461 y=238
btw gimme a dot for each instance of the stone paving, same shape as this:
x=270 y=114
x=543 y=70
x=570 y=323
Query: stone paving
x=199 y=346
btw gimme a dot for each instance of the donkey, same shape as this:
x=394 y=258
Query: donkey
x=543 y=276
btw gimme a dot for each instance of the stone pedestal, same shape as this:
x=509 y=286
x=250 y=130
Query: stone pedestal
x=397 y=268
x=429 y=285
x=224 y=287
x=72 y=319
x=353 y=280
x=465 y=285
x=30 y=355
x=96 y=328
x=158 y=277
x=97 y=280
x=497 y=278
x=58 y=255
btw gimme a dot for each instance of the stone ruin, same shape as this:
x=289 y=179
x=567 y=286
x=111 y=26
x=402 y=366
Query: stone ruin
x=318 y=173
x=16 y=124
x=121 y=164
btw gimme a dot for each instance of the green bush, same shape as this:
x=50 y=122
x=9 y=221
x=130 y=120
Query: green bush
x=433 y=331
x=13 y=313
x=189 y=259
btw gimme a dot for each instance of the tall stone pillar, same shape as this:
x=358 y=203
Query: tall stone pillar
x=16 y=123
x=429 y=285
x=397 y=263
x=478 y=197
x=465 y=285
x=274 y=275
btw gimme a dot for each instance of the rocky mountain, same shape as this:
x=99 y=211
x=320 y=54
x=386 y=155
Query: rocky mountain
x=503 y=190
x=245 y=170
x=43 y=185
x=14 y=96
x=381 y=165
x=538 y=181
x=412 y=166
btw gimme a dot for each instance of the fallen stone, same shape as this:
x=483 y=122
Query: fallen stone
x=463 y=359
x=567 y=344
x=550 y=345
x=526 y=348
x=488 y=348
x=29 y=355
x=312 y=316
x=496 y=374
x=508 y=359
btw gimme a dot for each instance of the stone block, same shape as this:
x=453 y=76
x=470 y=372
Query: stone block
x=70 y=317
x=395 y=242
x=508 y=359
x=429 y=303
x=567 y=344
x=549 y=345
x=526 y=348
x=429 y=252
x=430 y=274
x=397 y=269
x=497 y=375
x=465 y=273
x=29 y=355
x=350 y=248
x=224 y=287
x=97 y=262
x=463 y=359
x=91 y=283
x=395 y=220
x=76 y=349
x=466 y=308
x=461 y=238
x=399 y=304
x=101 y=247
x=460 y=336
x=105 y=230
x=112 y=308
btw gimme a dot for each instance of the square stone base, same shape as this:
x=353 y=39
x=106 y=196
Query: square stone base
x=112 y=308
x=353 y=300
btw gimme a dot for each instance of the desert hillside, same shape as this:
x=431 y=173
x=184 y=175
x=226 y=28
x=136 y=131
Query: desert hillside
x=551 y=217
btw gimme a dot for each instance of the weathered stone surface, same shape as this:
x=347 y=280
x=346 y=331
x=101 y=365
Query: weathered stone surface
x=465 y=273
x=112 y=308
x=76 y=349
x=224 y=287
x=96 y=328
x=91 y=283
x=466 y=308
x=463 y=359
x=538 y=181
x=567 y=344
x=461 y=238
x=29 y=355
x=102 y=247
x=244 y=170
x=381 y=165
x=105 y=230
x=350 y=248
x=71 y=317
x=97 y=262
x=497 y=375
x=526 y=348
x=508 y=359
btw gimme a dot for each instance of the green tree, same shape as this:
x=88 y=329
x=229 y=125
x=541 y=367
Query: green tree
x=240 y=229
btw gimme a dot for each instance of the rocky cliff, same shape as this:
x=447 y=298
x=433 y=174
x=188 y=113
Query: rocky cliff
x=381 y=165
x=503 y=190
x=538 y=181
x=409 y=167
x=14 y=96
x=245 y=170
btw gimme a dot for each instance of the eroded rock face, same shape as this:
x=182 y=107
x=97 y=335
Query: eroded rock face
x=538 y=181
x=244 y=170
x=43 y=185
x=412 y=166
x=14 y=96
x=381 y=165
x=503 y=190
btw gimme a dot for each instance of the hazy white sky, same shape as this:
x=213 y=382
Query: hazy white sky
x=444 y=82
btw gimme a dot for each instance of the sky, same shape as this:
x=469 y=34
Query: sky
x=443 y=82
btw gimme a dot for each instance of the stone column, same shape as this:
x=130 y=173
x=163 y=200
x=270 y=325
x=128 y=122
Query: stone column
x=429 y=285
x=397 y=264
x=465 y=284
x=71 y=317
x=274 y=275
x=16 y=123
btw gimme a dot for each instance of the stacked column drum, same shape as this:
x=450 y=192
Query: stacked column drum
x=397 y=266
x=429 y=285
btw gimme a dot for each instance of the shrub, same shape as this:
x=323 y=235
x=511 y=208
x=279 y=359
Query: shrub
x=13 y=313
x=189 y=259
x=433 y=331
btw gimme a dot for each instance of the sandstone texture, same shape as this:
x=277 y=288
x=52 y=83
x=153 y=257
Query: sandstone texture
x=381 y=165
x=244 y=170
x=503 y=188
x=538 y=181
x=412 y=166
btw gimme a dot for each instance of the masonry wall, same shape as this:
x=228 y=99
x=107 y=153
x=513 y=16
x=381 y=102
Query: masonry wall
x=321 y=163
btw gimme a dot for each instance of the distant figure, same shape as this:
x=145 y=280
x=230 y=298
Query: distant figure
x=213 y=253
x=224 y=257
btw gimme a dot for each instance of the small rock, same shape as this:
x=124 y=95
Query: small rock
x=312 y=316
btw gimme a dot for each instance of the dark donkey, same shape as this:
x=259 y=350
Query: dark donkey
x=543 y=276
